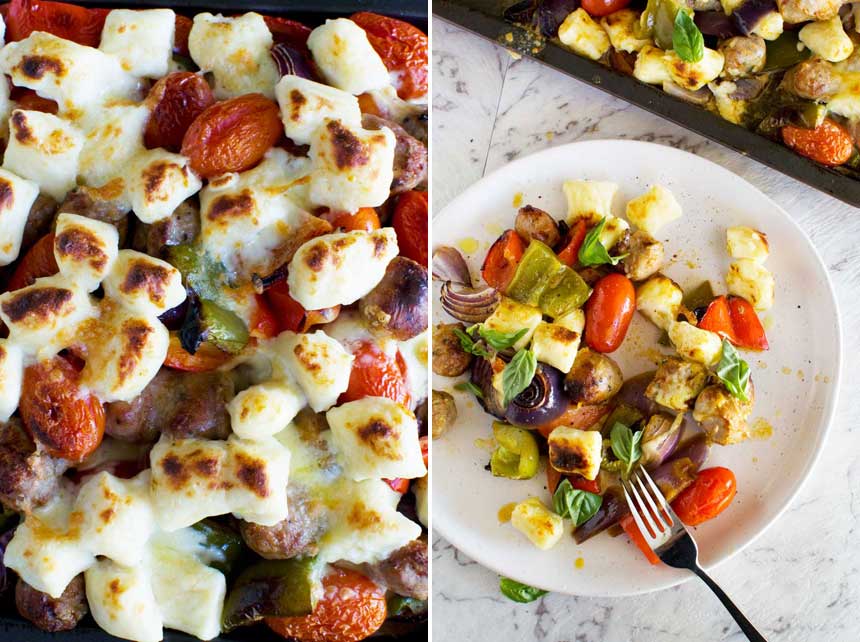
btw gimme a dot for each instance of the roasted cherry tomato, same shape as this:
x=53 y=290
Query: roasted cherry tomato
x=410 y=223
x=175 y=102
x=264 y=323
x=376 y=374
x=39 y=261
x=707 y=497
x=182 y=27
x=554 y=477
x=57 y=414
x=603 y=7
x=629 y=525
x=502 y=259
x=749 y=332
x=68 y=21
x=365 y=219
x=403 y=48
x=31 y=101
x=289 y=313
x=233 y=135
x=575 y=416
x=608 y=312
x=569 y=254
x=351 y=609
x=207 y=357
x=829 y=143
x=289 y=32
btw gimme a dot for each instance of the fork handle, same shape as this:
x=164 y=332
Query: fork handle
x=745 y=625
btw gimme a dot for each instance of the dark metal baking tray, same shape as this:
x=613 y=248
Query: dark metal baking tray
x=484 y=17
x=12 y=627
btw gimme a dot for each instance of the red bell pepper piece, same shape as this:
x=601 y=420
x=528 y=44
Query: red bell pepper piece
x=718 y=319
x=748 y=329
x=569 y=254
x=629 y=525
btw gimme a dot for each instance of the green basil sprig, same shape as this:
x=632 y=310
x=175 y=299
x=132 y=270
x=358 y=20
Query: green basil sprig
x=574 y=504
x=592 y=252
x=500 y=340
x=626 y=445
x=519 y=592
x=468 y=386
x=687 y=40
x=518 y=374
x=734 y=372
x=468 y=343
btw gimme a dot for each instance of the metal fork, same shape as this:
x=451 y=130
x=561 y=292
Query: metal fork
x=671 y=541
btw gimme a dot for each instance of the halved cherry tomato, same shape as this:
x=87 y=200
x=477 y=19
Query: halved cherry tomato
x=67 y=422
x=68 y=21
x=233 y=135
x=39 y=261
x=502 y=259
x=182 y=27
x=629 y=525
x=410 y=223
x=707 y=497
x=351 y=608
x=603 y=7
x=207 y=357
x=829 y=143
x=608 y=312
x=403 y=48
x=366 y=219
x=581 y=483
x=576 y=416
x=289 y=32
x=175 y=101
x=289 y=313
x=31 y=101
x=376 y=374
x=748 y=329
x=569 y=254
x=718 y=319
x=264 y=323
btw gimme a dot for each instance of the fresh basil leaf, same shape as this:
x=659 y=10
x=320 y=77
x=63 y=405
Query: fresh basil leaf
x=687 y=40
x=468 y=386
x=469 y=345
x=501 y=340
x=734 y=372
x=518 y=374
x=575 y=504
x=626 y=445
x=592 y=252
x=519 y=592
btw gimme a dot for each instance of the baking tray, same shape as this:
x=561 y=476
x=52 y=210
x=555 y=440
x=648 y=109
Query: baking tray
x=12 y=627
x=484 y=17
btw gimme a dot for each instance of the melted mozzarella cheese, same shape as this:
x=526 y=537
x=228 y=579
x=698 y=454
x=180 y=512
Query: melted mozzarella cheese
x=122 y=603
x=339 y=269
x=142 y=40
x=78 y=78
x=319 y=364
x=236 y=51
x=85 y=249
x=377 y=438
x=591 y=200
x=112 y=139
x=16 y=197
x=346 y=58
x=158 y=182
x=197 y=478
x=144 y=284
x=11 y=376
x=305 y=105
x=45 y=149
x=351 y=167
x=265 y=409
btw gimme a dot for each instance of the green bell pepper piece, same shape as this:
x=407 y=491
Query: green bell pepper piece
x=223 y=547
x=783 y=52
x=272 y=588
x=567 y=292
x=700 y=296
x=658 y=21
x=516 y=456
x=623 y=414
x=536 y=270
x=223 y=327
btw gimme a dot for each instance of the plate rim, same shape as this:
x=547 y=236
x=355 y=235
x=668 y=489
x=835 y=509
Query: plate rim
x=830 y=408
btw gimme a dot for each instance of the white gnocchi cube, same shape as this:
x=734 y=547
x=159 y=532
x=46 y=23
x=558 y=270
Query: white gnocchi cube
x=555 y=345
x=654 y=209
x=265 y=409
x=17 y=195
x=747 y=279
x=44 y=149
x=319 y=364
x=612 y=232
x=377 y=438
x=305 y=106
x=346 y=58
x=340 y=268
x=575 y=451
x=589 y=200
x=744 y=242
x=695 y=344
x=511 y=316
x=111 y=141
x=144 y=284
x=623 y=29
x=659 y=300
x=141 y=39
x=770 y=26
x=573 y=320
x=236 y=51
x=692 y=76
x=158 y=182
x=351 y=167
x=537 y=522
x=651 y=66
x=583 y=35
x=84 y=249
x=827 y=39
x=11 y=376
x=122 y=603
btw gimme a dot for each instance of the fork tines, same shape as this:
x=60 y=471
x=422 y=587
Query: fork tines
x=657 y=525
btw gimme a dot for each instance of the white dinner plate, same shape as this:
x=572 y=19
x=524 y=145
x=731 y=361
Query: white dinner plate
x=796 y=381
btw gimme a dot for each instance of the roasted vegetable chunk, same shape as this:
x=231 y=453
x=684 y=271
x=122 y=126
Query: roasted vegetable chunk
x=676 y=383
x=723 y=416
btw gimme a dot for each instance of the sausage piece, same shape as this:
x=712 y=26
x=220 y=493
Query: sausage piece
x=410 y=155
x=813 y=79
x=744 y=56
x=85 y=201
x=52 y=614
x=405 y=570
x=723 y=416
x=444 y=413
x=39 y=221
x=449 y=358
x=183 y=226
x=296 y=536
x=533 y=224
x=28 y=477
x=398 y=303
x=594 y=378
x=645 y=255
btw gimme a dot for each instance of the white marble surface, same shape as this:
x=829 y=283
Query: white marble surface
x=799 y=582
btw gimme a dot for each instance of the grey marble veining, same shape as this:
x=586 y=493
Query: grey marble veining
x=799 y=582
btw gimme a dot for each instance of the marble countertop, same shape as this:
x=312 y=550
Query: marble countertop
x=800 y=581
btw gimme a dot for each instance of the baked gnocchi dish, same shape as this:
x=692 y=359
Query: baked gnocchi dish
x=213 y=311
